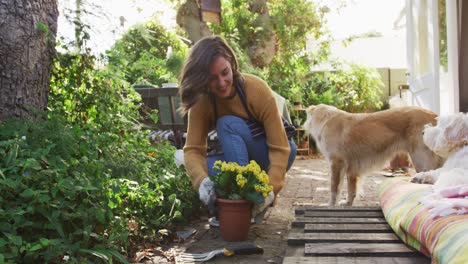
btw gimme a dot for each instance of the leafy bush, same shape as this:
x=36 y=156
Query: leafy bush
x=83 y=182
x=64 y=197
x=52 y=202
x=148 y=53
x=356 y=89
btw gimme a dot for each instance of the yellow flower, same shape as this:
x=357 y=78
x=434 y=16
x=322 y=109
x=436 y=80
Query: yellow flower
x=241 y=180
x=258 y=188
x=263 y=177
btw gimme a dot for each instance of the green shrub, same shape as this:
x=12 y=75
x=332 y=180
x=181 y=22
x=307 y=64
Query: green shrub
x=62 y=194
x=52 y=202
x=356 y=89
x=147 y=53
x=83 y=182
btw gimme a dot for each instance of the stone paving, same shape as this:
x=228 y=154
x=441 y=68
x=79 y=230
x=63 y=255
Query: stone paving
x=307 y=183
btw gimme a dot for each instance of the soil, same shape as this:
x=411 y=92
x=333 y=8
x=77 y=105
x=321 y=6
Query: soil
x=307 y=183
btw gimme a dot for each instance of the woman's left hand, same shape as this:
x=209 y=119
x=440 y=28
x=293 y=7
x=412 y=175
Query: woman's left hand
x=207 y=195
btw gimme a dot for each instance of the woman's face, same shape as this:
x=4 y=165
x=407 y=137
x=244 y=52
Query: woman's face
x=220 y=79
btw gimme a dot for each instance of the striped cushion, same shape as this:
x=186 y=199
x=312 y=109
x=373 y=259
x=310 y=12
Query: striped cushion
x=445 y=239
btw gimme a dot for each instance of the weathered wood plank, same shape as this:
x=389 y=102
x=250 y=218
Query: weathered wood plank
x=347 y=235
x=359 y=250
x=301 y=221
x=347 y=228
x=356 y=260
x=302 y=238
x=359 y=214
x=303 y=208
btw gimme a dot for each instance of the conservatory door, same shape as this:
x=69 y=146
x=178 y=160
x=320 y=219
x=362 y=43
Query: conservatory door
x=423 y=53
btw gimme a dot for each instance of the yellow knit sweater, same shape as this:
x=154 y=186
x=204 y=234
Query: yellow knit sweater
x=261 y=103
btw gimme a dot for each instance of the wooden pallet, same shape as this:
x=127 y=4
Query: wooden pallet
x=361 y=235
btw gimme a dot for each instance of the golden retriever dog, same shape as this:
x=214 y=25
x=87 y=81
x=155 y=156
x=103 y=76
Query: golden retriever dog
x=357 y=144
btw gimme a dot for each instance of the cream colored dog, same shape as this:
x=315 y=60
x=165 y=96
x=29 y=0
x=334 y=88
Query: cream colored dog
x=448 y=139
x=356 y=144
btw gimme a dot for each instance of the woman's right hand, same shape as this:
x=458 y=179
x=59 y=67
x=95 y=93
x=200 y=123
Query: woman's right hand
x=207 y=195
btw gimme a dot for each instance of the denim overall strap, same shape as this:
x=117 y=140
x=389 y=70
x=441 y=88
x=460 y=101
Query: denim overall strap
x=240 y=92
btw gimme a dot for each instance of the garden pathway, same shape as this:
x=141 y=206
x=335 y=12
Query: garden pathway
x=307 y=183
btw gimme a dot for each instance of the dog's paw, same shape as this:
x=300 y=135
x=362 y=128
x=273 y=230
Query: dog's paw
x=415 y=180
x=423 y=177
x=345 y=203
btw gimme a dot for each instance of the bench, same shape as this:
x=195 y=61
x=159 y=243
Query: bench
x=171 y=125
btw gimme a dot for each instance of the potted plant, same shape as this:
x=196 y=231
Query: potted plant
x=238 y=188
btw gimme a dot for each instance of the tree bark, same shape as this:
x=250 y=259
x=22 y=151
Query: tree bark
x=27 y=46
x=189 y=18
x=262 y=51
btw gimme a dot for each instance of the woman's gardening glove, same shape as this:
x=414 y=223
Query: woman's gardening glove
x=207 y=195
x=259 y=210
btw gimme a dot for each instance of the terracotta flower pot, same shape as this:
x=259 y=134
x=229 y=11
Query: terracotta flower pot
x=234 y=219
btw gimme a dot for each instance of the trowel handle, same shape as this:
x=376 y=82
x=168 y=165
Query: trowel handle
x=243 y=250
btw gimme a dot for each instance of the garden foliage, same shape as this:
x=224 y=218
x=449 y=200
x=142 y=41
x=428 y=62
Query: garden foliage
x=83 y=183
x=148 y=53
x=354 y=88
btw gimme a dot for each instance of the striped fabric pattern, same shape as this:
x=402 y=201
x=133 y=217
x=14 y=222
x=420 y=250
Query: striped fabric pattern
x=257 y=130
x=444 y=239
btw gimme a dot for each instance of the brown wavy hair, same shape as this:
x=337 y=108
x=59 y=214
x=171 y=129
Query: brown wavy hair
x=195 y=73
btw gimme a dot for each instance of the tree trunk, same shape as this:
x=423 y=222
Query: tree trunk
x=262 y=51
x=27 y=46
x=189 y=18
